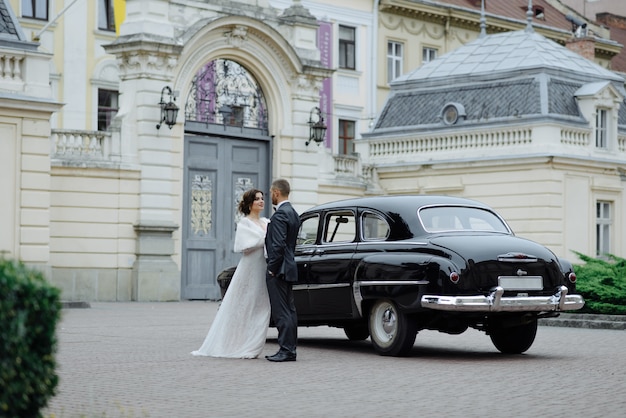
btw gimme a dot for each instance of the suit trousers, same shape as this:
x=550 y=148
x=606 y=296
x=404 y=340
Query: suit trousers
x=283 y=312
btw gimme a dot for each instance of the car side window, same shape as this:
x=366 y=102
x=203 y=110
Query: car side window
x=339 y=227
x=308 y=231
x=374 y=227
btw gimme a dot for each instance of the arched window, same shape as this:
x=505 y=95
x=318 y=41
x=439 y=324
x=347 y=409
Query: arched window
x=223 y=92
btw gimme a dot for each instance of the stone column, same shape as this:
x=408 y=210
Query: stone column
x=147 y=54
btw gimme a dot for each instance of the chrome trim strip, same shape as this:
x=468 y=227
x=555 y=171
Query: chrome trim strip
x=403 y=243
x=324 y=245
x=391 y=282
x=496 y=302
x=319 y=286
x=327 y=286
x=517 y=260
x=358 y=298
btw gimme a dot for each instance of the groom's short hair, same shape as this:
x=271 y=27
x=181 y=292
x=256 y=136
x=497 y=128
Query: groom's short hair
x=282 y=186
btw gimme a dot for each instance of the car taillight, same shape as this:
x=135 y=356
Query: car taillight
x=454 y=277
x=572 y=277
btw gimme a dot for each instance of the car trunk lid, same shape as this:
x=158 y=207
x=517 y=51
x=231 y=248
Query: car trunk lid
x=502 y=260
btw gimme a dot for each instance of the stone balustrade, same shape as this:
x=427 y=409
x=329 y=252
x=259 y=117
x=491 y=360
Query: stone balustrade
x=449 y=142
x=347 y=165
x=11 y=67
x=576 y=137
x=71 y=144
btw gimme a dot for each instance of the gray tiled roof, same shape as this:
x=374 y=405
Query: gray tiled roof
x=8 y=28
x=11 y=34
x=561 y=100
x=481 y=101
x=509 y=51
x=496 y=78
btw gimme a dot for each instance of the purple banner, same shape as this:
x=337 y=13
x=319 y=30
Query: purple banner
x=325 y=45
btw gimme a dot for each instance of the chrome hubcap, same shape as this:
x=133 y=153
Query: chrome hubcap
x=389 y=321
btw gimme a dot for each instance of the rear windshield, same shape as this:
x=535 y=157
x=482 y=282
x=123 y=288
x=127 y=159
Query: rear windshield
x=460 y=218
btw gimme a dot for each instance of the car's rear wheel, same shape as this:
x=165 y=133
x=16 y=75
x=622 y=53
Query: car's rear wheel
x=358 y=332
x=392 y=332
x=514 y=340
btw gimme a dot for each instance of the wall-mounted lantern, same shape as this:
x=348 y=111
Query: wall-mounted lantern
x=317 y=129
x=169 y=110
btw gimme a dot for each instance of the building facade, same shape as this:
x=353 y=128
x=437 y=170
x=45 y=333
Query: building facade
x=130 y=207
x=145 y=212
x=521 y=123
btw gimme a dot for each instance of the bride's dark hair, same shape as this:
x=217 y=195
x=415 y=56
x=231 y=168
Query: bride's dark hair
x=247 y=200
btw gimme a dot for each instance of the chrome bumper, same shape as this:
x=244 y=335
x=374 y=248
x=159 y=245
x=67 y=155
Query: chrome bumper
x=495 y=302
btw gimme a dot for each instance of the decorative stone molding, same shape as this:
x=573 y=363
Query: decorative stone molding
x=307 y=82
x=396 y=23
x=297 y=14
x=237 y=35
x=141 y=56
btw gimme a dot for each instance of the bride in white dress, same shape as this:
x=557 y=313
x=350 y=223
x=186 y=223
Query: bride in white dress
x=239 y=329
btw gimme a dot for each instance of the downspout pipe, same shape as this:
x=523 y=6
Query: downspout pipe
x=374 y=66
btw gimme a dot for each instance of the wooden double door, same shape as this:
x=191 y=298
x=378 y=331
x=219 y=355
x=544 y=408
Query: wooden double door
x=218 y=169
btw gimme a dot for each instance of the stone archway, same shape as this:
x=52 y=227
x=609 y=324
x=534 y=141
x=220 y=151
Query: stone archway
x=226 y=152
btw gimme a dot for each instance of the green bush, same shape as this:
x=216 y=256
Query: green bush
x=29 y=310
x=603 y=284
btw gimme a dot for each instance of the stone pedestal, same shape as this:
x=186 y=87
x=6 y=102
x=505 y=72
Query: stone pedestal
x=155 y=275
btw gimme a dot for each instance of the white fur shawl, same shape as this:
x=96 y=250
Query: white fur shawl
x=249 y=235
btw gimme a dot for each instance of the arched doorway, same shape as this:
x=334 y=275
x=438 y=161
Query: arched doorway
x=227 y=151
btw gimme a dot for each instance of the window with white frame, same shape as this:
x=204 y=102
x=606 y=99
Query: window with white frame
x=601 y=128
x=394 y=60
x=428 y=54
x=603 y=228
x=346 y=136
x=107 y=107
x=347 y=47
x=106 y=15
x=35 y=9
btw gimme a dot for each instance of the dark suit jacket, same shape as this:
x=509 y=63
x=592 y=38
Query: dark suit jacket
x=280 y=242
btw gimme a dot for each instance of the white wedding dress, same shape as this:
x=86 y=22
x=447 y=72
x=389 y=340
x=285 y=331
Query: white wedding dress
x=239 y=329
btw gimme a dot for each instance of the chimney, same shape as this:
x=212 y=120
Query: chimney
x=584 y=46
x=611 y=20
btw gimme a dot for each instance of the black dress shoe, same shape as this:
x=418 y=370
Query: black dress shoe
x=282 y=356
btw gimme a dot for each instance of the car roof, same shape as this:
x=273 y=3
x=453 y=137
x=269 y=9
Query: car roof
x=398 y=203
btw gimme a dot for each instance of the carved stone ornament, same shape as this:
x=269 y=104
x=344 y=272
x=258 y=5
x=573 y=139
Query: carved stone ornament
x=237 y=35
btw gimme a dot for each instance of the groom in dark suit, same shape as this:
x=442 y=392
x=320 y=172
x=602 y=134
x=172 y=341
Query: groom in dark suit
x=282 y=272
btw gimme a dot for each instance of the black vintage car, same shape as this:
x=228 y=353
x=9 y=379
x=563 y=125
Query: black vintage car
x=388 y=267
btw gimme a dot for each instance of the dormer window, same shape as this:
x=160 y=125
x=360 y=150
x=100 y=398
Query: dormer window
x=538 y=12
x=601 y=129
x=599 y=103
x=452 y=112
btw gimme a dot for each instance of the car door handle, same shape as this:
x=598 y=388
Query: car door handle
x=311 y=251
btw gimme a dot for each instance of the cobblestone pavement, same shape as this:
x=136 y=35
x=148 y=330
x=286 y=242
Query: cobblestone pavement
x=133 y=360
